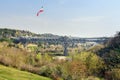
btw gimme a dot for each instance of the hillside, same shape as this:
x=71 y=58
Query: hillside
x=4 y=32
x=111 y=52
x=8 y=33
x=13 y=74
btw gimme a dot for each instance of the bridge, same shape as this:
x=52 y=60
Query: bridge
x=65 y=41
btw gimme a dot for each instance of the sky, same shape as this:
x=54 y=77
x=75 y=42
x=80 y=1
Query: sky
x=79 y=18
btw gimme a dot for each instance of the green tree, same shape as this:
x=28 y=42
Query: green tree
x=93 y=62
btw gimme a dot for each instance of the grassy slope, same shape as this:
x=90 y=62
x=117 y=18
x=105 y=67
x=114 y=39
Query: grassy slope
x=7 y=73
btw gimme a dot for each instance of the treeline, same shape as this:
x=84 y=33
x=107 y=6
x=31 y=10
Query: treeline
x=8 y=33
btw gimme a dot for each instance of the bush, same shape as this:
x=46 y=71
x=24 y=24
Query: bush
x=114 y=74
x=94 y=63
x=74 y=70
x=112 y=59
x=51 y=71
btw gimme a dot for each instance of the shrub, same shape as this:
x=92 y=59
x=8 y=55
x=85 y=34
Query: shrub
x=94 y=63
x=49 y=71
x=74 y=70
x=112 y=59
x=114 y=74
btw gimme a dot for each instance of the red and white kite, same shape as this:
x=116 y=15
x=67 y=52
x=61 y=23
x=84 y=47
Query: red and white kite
x=40 y=11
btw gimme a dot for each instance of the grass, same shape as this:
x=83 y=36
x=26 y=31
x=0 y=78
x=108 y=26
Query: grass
x=7 y=73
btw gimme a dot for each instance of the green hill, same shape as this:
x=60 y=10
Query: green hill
x=8 y=33
x=7 y=73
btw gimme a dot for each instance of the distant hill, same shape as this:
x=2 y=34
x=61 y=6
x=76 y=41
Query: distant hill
x=8 y=33
x=49 y=35
x=4 y=32
x=13 y=35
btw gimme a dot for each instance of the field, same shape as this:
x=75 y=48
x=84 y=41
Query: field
x=13 y=74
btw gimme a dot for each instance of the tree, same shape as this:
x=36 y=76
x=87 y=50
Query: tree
x=94 y=63
x=74 y=70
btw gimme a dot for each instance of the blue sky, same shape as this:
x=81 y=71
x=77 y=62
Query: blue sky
x=82 y=18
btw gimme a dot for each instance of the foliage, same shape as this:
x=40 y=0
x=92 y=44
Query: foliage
x=8 y=33
x=95 y=48
x=112 y=59
x=38 y=56
x=52 y=70
x=111 y=53
x=114 y=42
x=114 y=74
x=6 y=40
x=74 y=70
x=94 y=63
x=17 y=58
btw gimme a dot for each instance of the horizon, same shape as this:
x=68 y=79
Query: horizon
x=57 y=34
x=78 y=18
